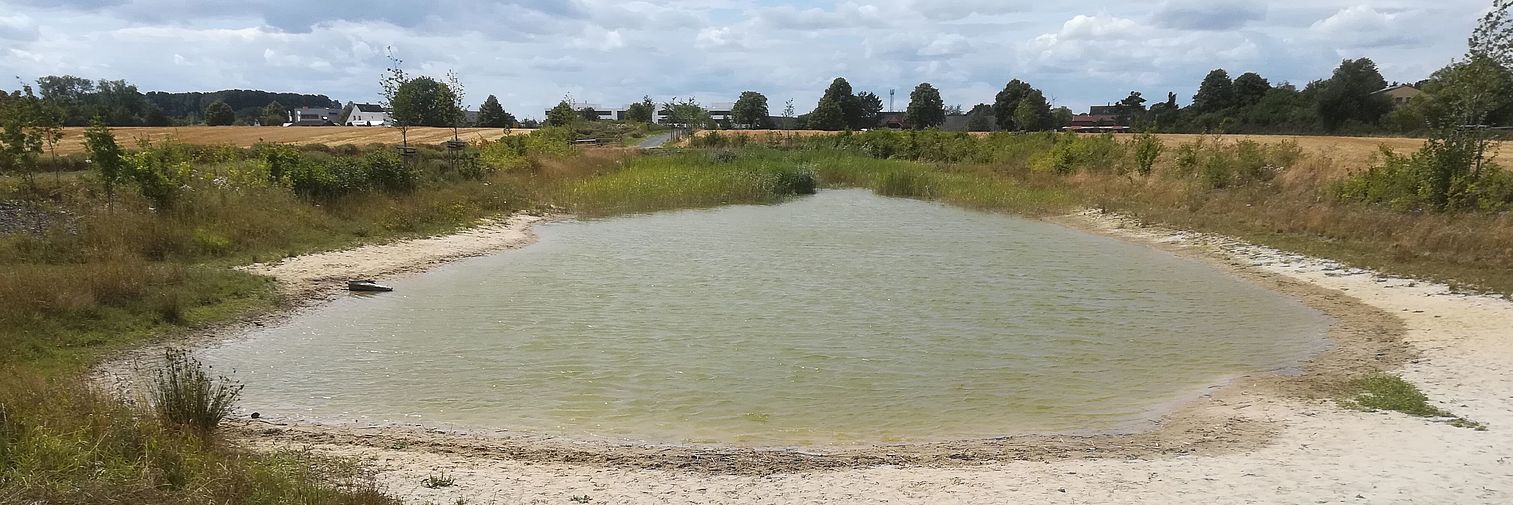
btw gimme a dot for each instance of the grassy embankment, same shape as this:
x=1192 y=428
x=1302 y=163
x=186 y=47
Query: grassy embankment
x=102 y=277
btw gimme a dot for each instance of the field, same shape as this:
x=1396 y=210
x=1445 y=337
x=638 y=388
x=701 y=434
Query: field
x=1348 y=152
x=73 y=138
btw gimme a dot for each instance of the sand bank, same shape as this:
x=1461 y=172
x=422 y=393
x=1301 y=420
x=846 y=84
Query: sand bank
x=1262 y=439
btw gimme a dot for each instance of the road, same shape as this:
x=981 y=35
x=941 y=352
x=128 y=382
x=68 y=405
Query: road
x=655 y=141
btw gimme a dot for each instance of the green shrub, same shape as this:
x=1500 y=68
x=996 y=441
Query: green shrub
x=160 y=171
x=1146 y=148
x=184 y=395
x=1443 y=175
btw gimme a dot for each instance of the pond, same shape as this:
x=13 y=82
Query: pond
x=843 y=317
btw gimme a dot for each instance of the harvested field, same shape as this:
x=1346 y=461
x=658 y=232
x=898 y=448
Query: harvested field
x=1347 y=152
x=73 y=138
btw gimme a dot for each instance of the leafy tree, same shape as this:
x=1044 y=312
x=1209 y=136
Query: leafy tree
x=394 y=78
x=562 y=115
x=588 y=114
x=828 y=116
x=72 y=94
x=105 y=155
x=1216 y=93
x=870 y=106
x=273 y=114
x=1033 y=112
x=980 y=119
x=1061 y=117
x=954 y=110
x=926 y=109
x=687 y=113
x=1350 y=95
x=1007 y=101
x=20 y=138
x=49 y=123
x=788 y=108
x=424 y=101
x=643 y=111
x=1493 y=37
x=456 y=110
x=219 y=114
x=1249 y=88
x=1133 y=103
x=1473 y=91
x=492 y=115
x=346 y=113
x=750 y=110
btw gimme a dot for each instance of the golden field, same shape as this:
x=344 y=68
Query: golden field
x=73 y=138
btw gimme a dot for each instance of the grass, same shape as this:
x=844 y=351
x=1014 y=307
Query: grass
x=438 y=480
x=688 y=179
x=1383 y=391
x=185 y=395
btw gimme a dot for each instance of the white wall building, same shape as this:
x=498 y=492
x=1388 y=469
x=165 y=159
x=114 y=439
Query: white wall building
x=605 y=113
x=367 y=114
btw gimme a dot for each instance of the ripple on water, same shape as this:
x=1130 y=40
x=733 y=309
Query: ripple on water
x=842 y=317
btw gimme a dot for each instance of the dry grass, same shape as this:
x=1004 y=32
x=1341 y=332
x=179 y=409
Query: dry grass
x=243 y=136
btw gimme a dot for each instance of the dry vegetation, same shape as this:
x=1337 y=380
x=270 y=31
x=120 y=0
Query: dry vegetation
x=246 y=136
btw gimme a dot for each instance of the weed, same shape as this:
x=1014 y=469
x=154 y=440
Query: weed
x=185 y=395
x=1389 y=392
x=438 y=480
x=580 y=499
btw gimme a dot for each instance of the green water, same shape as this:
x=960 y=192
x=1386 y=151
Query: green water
x=839 y=318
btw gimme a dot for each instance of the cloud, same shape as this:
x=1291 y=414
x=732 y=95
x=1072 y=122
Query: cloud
x=18 y=28
x=1208 y=14
x=1362 y=26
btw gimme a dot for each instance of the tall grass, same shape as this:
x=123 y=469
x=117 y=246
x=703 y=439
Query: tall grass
x=184 y=394
x=688 y=180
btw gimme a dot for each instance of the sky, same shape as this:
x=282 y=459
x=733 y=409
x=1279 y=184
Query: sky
x=532 y=53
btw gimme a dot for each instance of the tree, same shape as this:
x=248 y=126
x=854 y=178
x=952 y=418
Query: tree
x=588 y=114
x=826 y=116
x=424 y=101
x=346 y=113
x=1351 y=95
x=1061 y=117
x=1006 y=101
x=492 y=115
x=394 y=78
x=105 y=156
x=788 y=108
x=20 y=138
x=155 y=117
x=1216 y=93
x=926 y=109
x=1249 y=88
x=870 y=106
x=273 y=114
x=750 y=110
x=1493 y=37
x=456 y=110
x=839 y=94
x=688 y=114
x=219 y=114
x=1033 y=112
x=643 y=111
x=563 y=114
x=980 y=119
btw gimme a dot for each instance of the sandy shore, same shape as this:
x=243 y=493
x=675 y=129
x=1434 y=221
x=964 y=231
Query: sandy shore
x=1262 y=439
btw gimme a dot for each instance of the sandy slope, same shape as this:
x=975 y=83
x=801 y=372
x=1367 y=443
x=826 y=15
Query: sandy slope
x=1319 y=452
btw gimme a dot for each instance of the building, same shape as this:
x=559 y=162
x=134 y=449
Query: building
x=367 y=114
x=1400 y=94
x=1100 y=123
x=313 y=116
x=718 y=111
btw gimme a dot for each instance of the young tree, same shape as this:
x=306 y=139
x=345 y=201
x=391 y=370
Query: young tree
x=456 y=111
x=1216 y=93
x=492 y=115
x=788 y=108
x=562 y=114
x=1493 y=37
x=273 y=114
x=20 y=138
x=219 y=114
x=750 y=110
x=926 y=109
x=1007 y=101
x=643 y=111
x=1250 y=88
x=105 y=156
x=394 y=78
x=50 y=126
x=1350 y=95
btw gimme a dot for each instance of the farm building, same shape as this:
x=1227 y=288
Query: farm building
x=1400 y=94
x=313 y=116
x=367 y=114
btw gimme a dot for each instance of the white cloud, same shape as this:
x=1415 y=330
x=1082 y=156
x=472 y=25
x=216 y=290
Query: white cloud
x=1364 y=26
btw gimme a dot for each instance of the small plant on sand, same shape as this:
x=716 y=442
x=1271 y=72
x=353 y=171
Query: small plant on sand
x=438 y=480
x=580 y=499
x=1382 y=391
x=184 y=395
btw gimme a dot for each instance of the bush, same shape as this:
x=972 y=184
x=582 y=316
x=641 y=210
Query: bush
x=1443 y=175
x=1146 y=148
x=184 y=395
x=161 y=171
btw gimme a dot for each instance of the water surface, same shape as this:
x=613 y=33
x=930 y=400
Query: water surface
x=838 y=318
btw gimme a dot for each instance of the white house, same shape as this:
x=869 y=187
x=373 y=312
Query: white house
x=367 y=114
x=604 y=113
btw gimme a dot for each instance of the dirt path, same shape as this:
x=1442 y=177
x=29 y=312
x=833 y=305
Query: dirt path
x=1259 y=441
